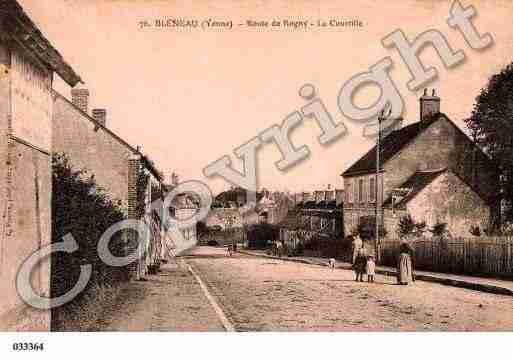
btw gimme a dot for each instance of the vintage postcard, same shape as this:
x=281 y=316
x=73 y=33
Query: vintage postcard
x=254 y=166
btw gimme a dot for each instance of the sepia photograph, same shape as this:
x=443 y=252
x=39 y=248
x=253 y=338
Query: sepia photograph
x=283 y=175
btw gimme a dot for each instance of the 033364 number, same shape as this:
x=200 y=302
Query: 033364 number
x=27 y=346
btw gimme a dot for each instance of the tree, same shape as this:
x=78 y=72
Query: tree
x=491 y=125
x=408 y=226
x=439 y=229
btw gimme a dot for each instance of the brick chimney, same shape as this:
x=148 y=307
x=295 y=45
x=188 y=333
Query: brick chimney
x=429 y=105
x=80 y=98
x=100 y=116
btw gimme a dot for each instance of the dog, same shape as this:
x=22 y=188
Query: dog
x=331 y=263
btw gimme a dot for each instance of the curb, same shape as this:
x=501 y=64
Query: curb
x=486 y=288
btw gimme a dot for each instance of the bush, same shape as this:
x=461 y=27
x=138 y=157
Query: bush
x=439 y=229
x=408 y=226
x=367 y=229
x=83 y=210
x=259 y=235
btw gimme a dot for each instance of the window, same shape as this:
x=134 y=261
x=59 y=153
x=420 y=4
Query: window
x=372 y=189
x=360 y=190
x=355 y=191
x=349 y=192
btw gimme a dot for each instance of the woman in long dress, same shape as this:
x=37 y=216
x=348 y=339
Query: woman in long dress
x=405 y=265
x=357 y=246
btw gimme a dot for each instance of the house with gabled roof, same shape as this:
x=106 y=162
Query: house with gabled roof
x=429 y=169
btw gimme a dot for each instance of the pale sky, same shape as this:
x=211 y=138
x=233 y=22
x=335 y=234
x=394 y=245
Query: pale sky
x=188 y=97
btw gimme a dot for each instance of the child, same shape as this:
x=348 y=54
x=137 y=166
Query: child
x=370 y=269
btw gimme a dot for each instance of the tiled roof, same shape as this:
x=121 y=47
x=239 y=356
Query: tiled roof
x=390 y=145
x=416 y=183
x=231 y=195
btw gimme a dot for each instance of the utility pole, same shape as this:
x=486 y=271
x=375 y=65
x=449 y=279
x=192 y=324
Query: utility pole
x=376 y=186
x=379 y=194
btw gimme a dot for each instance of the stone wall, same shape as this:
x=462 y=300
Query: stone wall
x=25 y=192
x=430 y=150
x=441 y=145
x=352 y=217
x=449 y=200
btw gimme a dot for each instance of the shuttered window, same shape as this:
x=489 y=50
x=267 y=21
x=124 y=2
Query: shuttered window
x=361 y=190
x=372 y=189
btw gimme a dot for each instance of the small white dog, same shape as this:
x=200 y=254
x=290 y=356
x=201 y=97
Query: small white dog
x=331 y=263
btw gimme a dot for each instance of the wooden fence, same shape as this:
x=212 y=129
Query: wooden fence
x=472 y=256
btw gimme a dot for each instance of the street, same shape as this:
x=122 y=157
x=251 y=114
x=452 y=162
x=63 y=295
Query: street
x=260 y=294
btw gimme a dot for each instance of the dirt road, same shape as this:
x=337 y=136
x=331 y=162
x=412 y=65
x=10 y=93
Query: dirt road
x=259 y=294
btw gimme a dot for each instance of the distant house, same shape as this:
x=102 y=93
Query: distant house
x=231 y=206
x=320 y=212
x=430 y=170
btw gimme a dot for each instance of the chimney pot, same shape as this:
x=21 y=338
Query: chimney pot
x=429 y=105
x=100 y=116
x=80 y=98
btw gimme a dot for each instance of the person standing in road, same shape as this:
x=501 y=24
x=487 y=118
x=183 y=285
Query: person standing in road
x=359 y=265
x=357 y=246
x=405 y=265
x=371 y=269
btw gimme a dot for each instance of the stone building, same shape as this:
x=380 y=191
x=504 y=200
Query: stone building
x=114 y=164
x=315 y=215
x=321 y=212
x=429 y=169
x=28 y=62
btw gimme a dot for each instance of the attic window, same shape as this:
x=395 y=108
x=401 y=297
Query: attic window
x=398 y=195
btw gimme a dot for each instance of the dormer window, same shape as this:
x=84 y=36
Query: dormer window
x=397 y=196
